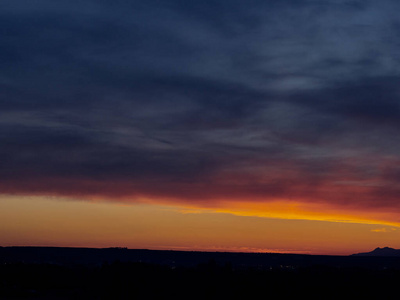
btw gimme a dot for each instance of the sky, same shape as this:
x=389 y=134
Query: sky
x=200 y=125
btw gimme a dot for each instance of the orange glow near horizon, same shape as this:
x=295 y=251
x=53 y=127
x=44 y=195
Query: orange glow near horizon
x=291 y=210
x=312 y=212
x=251 y=227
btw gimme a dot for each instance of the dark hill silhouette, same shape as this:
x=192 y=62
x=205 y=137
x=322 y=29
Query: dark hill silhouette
x=118 y=273
x=386 y=251
x=380 y=258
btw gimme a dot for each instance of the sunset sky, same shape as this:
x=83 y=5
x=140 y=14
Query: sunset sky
x=216 y=125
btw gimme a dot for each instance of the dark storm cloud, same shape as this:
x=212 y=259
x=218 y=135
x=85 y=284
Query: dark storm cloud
x=201 y=99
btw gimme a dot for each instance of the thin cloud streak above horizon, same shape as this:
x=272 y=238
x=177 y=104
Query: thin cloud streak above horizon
x=212 y=104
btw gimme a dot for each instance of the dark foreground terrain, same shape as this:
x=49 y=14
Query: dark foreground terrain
x=66 y=273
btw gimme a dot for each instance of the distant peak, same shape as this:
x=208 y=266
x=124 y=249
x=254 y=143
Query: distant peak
x=384 y=248
x=385 y=251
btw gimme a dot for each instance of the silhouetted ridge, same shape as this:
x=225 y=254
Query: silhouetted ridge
x=115 y=273
x=386 y=251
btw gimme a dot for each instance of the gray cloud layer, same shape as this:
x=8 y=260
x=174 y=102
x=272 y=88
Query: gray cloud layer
x=202 y=99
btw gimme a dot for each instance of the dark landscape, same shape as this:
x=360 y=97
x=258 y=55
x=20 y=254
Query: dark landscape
x=120 y=273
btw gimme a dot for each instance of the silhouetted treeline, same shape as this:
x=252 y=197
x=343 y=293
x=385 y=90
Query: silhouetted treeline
x=210 y=280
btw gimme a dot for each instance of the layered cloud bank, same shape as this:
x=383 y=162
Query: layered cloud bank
x=209 y=104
